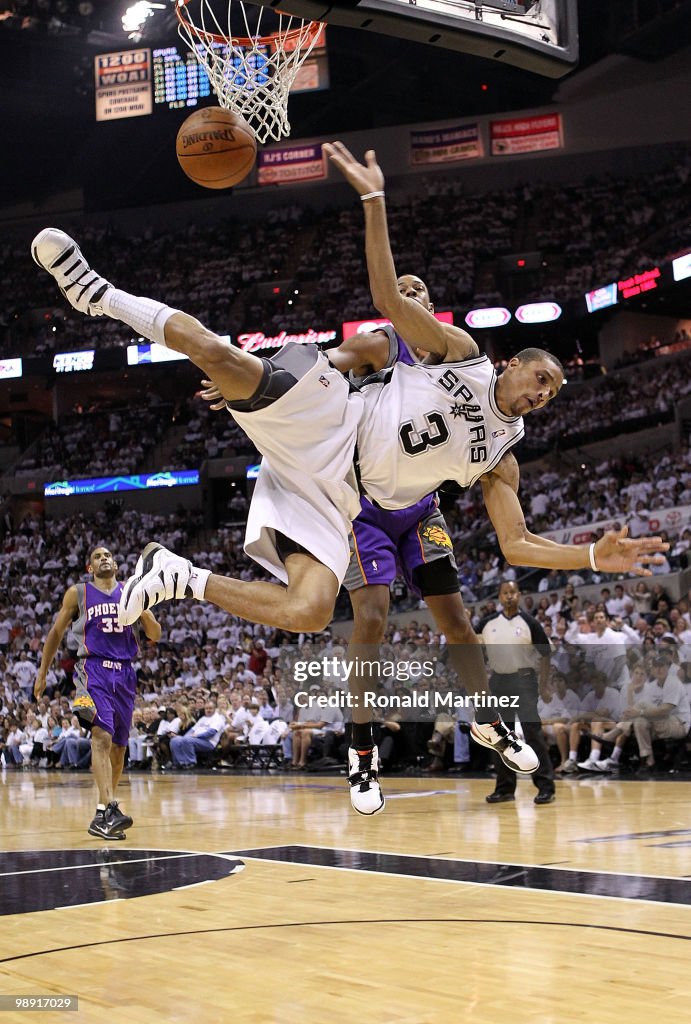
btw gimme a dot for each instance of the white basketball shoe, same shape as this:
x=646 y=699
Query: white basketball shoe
x=159 y=575
x=363 y=777
x=60 y=255
x=517 y=756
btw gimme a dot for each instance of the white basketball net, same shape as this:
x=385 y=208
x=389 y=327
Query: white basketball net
x=252 y=74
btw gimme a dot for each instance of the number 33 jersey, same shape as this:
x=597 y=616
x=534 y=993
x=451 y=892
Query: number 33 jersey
x=97 y=628
x=429 y=423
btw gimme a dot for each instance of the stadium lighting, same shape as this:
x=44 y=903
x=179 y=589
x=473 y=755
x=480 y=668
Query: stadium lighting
x=134 y=18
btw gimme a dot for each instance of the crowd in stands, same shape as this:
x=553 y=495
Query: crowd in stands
x=93 y=444
x=594 y=229
x=589 y=233
x=208 y=435
x=619 y=402
x=654 y=346
x=215 y=688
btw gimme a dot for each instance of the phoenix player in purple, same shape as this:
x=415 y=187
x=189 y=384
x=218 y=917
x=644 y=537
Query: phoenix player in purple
x=106 y=682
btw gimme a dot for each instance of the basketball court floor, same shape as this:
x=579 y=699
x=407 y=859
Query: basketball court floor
x=259 y=900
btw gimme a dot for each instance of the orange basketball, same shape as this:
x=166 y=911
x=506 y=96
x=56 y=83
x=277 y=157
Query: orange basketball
x=216 y=147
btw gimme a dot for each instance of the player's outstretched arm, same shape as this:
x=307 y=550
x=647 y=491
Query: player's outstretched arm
x=614 y=552
x=362 y=353
x=415 y=324
x=68 y=612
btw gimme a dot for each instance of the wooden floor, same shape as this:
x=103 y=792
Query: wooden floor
x=398 y=938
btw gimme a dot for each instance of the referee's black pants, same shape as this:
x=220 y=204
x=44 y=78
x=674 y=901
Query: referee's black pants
x=523 y=685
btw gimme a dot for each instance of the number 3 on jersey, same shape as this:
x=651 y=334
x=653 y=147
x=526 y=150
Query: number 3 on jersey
x=415 y=442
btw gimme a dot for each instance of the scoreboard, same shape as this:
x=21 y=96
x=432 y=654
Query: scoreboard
x=130 y=83
x=179 y=79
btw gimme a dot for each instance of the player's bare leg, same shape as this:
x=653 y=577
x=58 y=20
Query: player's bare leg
x=237 y=374
x=101 y=744
x=305 y=605
x=117 y=763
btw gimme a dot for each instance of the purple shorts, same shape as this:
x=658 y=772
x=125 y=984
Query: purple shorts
x=384 y=544
x=112 y=686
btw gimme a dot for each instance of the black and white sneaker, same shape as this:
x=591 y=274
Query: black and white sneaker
x=517 y=756
x=60 y=255
x=117 y=821
x=363 y=778
x=101 y=828
x=159 y=575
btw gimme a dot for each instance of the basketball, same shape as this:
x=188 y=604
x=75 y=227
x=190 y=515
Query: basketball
x=216 y=148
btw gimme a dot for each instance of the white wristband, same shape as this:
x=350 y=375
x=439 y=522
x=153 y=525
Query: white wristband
x=591 y=556
x=372 y=195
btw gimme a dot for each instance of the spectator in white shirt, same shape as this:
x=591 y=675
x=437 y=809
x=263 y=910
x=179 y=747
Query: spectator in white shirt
x=604 y=648
x=555 y=719
x=633 y=698
x=620 y=604
x=664 y=712
x=553 y=609
x=25 y=671
x=600 y=710
x=203 y=737
x=5 y=628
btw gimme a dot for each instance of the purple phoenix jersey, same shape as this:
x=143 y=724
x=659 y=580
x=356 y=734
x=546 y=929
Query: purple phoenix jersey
x=97 y=627
x=105 y=681
x=382 y=542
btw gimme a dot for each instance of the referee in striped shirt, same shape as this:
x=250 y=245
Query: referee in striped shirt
x=518 y=653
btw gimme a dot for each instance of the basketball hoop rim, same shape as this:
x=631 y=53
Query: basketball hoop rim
x=310 y=30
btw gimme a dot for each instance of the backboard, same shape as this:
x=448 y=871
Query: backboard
x=539 y=35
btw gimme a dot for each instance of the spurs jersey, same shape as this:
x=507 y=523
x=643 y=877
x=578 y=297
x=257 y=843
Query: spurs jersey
x=97 y=628
x=430 y=423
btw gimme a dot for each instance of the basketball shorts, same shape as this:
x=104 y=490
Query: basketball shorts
x=303 y=419
x=105 y=695
x=385 y=543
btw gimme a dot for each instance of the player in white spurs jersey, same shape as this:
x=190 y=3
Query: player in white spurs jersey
x=302 y=415
x=449 y=426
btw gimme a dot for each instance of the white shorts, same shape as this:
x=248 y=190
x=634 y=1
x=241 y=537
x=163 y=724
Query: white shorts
x=307 y=489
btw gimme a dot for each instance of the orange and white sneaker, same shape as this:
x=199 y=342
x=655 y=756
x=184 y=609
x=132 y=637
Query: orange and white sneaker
x=515 y=754
x=363 y=778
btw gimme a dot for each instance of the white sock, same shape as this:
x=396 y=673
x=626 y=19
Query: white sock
x=145 y=316
x=197 y=582
x=594 y=755
x=100 y=807
x=573 y=755
x=616 y=754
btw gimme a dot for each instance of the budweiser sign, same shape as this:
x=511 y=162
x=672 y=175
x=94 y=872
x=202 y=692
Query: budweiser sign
x=257 y=340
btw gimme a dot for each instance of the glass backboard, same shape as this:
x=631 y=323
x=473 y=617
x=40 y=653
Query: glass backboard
x=539 y=35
